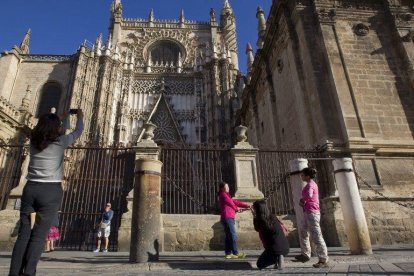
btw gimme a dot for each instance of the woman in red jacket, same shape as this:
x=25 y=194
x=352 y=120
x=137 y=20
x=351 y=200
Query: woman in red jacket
x=228 y=209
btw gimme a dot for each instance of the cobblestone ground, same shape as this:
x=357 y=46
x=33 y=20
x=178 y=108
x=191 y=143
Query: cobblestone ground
x=385 y=261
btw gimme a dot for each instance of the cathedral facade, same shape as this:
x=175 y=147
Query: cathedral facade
x=177 y=74
x=339 y=75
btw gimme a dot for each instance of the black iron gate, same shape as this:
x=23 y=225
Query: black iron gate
x=93 y=177
x=11 y=159
x=190 y=176
x=273 y=173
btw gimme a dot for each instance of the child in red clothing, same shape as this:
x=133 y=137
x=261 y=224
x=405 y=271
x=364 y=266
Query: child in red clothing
x=228 y=209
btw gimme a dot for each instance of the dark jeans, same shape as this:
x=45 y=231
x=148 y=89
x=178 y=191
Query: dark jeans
x=267 y=258
x=44 y=199
x=230 y=241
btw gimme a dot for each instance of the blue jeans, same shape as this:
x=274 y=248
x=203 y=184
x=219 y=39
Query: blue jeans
x=230 y=241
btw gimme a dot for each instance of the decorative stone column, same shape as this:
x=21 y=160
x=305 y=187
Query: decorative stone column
x=354 y=217
x=146 y=214
x=244 y=155
x=296 y=166
x=146 y=148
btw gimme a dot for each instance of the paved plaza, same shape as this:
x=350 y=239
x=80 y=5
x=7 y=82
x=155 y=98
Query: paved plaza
x=386 y=260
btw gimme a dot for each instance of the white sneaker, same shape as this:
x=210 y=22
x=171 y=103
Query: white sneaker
x=105 y=250
x=96 y=250
x=280 y=262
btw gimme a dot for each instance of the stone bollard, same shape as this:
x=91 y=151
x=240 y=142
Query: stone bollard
x=146 y=212
x=352 y=209
x=296 y=166
x=145 y=149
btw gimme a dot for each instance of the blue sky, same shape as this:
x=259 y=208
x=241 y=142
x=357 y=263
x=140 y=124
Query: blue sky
x=60 y=26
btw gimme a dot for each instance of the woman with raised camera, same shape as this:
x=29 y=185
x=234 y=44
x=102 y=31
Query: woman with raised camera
x=42 y=193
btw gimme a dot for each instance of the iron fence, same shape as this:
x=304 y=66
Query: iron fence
x=190 y=176
x=93 y=177
x=11 y=159
x=274 y=173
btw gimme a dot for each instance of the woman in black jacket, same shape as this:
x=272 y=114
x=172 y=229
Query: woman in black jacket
x=272 y=235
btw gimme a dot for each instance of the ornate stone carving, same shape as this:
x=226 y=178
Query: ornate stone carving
x=186 y=115
x=165 y=130
x=409 y=37
x=358 y=4
x=181 y=86
x=403 y=19
x=140 y=40
x=326 y=15
x=241 y=133
x=361 y=29
x=148 y=131
x=53 y=58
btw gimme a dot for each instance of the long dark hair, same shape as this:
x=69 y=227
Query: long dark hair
x=46 y=131
x=221 y=186
x=264 y=219
x=311 y=172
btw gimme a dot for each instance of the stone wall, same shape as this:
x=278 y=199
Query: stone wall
x=9 y=226
x=36 y=74
x=205 y=232
x=388 y=223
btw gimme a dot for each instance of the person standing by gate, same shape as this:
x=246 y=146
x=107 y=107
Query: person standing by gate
x=43 y=191
x=104 y=228
x=228 y=209
x=311 y=226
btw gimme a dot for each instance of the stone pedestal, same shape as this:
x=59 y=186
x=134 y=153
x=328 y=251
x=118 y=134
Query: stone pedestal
x=354 y=216
x=146 y=212
x=10 y=216
x=245 y=169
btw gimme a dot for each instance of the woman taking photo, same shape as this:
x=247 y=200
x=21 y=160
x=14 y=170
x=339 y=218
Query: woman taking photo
x=42 y=193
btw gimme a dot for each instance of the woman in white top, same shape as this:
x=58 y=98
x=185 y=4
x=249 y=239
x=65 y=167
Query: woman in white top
x=43 y=191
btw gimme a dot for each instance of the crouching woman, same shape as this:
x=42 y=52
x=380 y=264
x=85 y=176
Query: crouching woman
x=272 y=235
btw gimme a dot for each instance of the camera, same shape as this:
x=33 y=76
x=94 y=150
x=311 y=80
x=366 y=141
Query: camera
x=73 y=111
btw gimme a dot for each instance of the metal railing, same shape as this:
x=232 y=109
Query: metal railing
x=190 y=177
x=273 y=175
x=93 y=177
x=11 y=159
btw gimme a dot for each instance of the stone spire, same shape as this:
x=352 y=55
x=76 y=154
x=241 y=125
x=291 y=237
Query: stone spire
x=24 y=45
x=26 y=100
x=213 y=18
x=250 y=57
x=182 y=17
x=261 y=27
x=98 y=44
x=116 y=8
x=151 y=17
x=109 y=42
x=228 y=24
x=179 y=63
